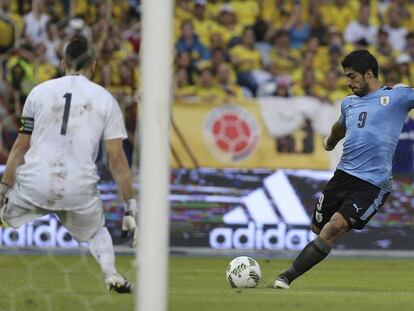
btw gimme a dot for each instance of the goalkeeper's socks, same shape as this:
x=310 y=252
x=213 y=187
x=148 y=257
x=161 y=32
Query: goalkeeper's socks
x=101 y=248
x=312 y=254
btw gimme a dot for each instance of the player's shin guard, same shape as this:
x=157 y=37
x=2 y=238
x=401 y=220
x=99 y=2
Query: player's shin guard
x=102 y=249
x=312 y=254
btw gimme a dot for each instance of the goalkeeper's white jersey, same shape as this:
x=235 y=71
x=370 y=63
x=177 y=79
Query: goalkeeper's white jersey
x=69 y=117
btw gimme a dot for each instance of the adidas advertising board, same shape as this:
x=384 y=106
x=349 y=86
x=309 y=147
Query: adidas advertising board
x=240 y=209
x=256 y=225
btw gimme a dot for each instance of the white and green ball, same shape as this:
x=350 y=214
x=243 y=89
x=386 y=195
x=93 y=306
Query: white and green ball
x=243 y=272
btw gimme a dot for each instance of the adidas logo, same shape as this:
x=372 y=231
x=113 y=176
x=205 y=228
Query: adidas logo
x=256 y=225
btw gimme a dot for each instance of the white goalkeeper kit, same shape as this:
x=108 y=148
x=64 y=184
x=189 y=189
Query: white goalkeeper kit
x=66 y=118
x=69 y=116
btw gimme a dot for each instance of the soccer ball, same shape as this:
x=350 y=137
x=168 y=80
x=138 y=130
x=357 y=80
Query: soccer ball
x=243 y=272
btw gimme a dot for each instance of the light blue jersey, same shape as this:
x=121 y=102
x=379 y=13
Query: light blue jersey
x=373 y=125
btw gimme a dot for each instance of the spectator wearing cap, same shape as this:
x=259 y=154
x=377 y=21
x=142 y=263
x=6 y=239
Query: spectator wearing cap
x=203 y=26
x=283 y=84
x=228 y=26
x=361 y=28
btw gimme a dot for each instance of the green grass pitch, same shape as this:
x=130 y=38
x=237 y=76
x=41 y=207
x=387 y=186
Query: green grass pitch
x=66 y=283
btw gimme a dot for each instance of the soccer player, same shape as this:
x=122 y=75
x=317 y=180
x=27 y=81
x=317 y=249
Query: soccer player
x=371 y=122
x=51 y=167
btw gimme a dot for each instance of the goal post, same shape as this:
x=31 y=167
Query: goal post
x=153 y=247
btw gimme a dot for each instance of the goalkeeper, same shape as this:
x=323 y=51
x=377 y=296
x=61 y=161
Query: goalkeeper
x=51 y=167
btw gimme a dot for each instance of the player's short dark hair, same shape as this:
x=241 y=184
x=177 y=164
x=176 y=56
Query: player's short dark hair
x=78 y=53
x=361 y=61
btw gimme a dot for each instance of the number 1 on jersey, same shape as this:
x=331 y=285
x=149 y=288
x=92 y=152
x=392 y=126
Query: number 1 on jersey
x=68 y=97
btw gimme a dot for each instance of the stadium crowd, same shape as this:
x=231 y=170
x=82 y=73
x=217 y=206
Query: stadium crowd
x=224 y=49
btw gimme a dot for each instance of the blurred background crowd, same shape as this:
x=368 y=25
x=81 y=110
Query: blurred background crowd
x=225 y=50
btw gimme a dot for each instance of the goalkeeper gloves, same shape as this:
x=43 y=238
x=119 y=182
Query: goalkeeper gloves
x=129 y=222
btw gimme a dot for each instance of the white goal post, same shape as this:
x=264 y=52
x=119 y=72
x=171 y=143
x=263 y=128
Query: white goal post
x=153 y=247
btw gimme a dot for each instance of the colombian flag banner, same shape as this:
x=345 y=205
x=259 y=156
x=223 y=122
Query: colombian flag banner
x=237 y=136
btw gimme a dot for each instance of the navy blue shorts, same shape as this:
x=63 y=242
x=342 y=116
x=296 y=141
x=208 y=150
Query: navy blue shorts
x=355 y=199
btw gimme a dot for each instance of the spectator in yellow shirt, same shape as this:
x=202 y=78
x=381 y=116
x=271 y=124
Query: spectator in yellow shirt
x=183 y=10
x=339 y=13
x=275 y=12
x=331 y=92
x=218 y=57
x=228 y=25
x=308 y=85
x=225 y=82
x=183 y=90
x=383 y=51
x=207 y=90
x=246 y=11
x=8 y=33
x=15 y=18
x=320 y=52
x=283 y=59
x=334 y=59
x=203 y=26
x=246 y=59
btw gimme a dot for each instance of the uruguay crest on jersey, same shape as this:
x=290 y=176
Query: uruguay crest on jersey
x=385 y=100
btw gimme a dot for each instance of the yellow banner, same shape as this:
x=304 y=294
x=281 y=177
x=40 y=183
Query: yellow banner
x=234 y=135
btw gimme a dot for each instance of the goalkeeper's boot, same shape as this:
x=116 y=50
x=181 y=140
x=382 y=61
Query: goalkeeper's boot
x=282 y=282
x=118 y=284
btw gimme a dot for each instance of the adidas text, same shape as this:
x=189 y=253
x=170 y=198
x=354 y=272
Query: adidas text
x=253 y=237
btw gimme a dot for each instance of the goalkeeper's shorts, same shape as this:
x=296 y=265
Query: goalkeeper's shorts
x=81 y=223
